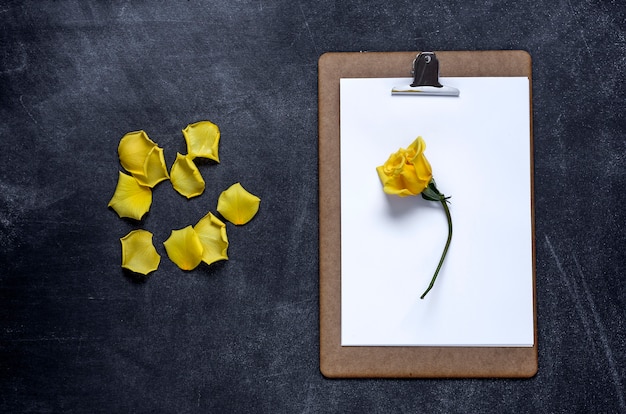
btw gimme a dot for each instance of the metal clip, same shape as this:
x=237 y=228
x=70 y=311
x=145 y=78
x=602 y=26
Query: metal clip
x=425 y=78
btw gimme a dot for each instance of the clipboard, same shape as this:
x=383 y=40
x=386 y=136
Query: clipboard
x=337 y=361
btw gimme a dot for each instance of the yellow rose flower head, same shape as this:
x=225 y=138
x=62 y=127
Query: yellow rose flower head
x=203 y=140
x=143 y=158
x=130 y=199
x=212 y=234
x=407 y=172
x=184 y=248
x=138 y=252
x=237 y=205
x=185 y=177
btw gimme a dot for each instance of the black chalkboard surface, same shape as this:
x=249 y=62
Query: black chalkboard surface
x=78 y=334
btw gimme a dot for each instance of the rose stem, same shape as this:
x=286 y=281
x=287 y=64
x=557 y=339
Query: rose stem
x=444 y=203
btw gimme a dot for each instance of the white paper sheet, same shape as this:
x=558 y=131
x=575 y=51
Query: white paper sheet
x=478 y=145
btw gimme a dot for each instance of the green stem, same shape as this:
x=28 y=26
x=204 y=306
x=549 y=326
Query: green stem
x=444 y=203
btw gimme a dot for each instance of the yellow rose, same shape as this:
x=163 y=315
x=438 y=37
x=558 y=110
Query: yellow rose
x=406 y=172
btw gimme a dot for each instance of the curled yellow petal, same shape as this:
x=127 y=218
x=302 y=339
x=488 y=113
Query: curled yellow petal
x=202 y=140
x=212 y=234
x=138 y=252
x=237 y=205
x=133 y=150
x=184 y=248
x=143 y=158
x=130 y=199
x=154 y=168
x=185 y=177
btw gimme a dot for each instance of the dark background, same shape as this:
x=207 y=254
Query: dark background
x=77 y=334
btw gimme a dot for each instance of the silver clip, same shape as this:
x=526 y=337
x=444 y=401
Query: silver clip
x=425 y=78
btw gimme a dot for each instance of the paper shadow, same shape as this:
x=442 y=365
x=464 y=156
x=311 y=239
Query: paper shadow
x=398 y=207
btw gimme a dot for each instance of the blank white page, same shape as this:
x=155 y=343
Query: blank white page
x=479 y=147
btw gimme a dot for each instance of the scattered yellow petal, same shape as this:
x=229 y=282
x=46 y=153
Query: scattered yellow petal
x=203 y=140
x=184 y=248
x=212 y=234
x=154 y=168
x=138 y=252
x=237 y=205
x=130 y=199
x=143 y=158
x=133 y=150
x=185 y=177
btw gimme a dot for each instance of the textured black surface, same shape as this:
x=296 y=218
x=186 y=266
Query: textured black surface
x=78 y=335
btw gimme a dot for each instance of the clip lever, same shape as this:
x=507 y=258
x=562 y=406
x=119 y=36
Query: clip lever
x=426 y=78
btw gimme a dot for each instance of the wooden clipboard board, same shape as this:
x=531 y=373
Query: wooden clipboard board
x=338 y=361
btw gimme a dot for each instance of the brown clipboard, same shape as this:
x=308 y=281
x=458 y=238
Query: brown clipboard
x=338 y=361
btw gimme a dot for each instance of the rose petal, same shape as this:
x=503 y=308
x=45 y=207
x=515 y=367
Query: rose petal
x=130 y=199
x=185 y=177
x=212 y=234
x=154 y=168
x=143 y=158
x=138 y=252
x=184 y=248
x=133 y=150
x=237 y=205
x=202 y=140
